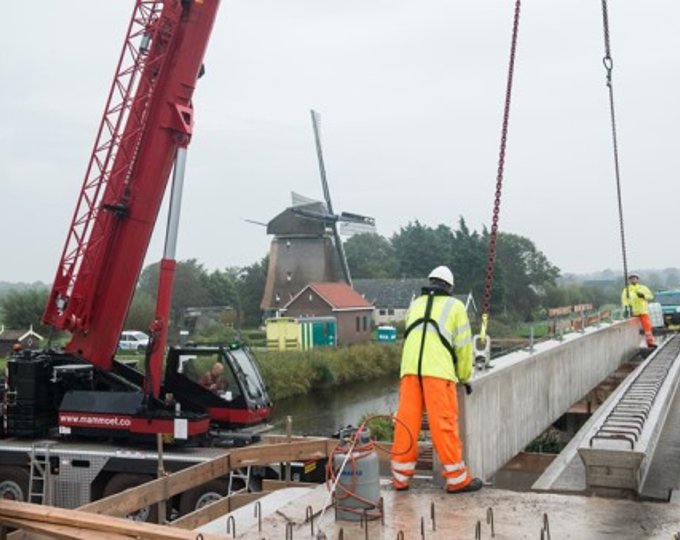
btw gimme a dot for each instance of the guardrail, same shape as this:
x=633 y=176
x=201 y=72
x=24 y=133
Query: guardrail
x=562 y=321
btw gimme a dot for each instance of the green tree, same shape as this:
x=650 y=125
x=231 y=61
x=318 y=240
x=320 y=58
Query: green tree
x=22 y=308
x=468 y=259
x=250 y=286
x=220 y=287
x=370 y=255
x=419 y=248
x=142 y=312
x=526 y=273
x=189 y=285
x=189 y=289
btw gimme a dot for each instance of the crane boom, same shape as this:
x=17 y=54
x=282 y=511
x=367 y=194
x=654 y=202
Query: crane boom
x=148 y=117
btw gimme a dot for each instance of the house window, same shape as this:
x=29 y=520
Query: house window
x=358 y=324
x=381 y=311
x=311 y=297
x=390 y=311
x=365 y=323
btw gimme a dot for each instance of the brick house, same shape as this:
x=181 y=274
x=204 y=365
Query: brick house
x=352 y=311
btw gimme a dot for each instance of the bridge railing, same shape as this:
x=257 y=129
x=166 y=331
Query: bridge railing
x=561 y=321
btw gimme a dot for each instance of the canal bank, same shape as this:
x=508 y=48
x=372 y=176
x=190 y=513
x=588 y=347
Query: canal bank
x=323 y=412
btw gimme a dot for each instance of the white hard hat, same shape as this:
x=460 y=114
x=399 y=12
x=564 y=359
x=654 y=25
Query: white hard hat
x=442 y=273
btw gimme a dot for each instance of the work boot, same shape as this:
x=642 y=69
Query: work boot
x=475 y=485
x=399 y=486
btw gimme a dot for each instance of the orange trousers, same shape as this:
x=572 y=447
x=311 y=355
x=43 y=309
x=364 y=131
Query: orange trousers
x=647 y=328
x=440 y=400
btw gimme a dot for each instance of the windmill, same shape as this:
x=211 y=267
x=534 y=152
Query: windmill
x=328 y=217
x=307 y=245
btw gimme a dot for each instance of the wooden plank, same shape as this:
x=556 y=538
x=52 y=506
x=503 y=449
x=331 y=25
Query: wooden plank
x=13 y=511
x=131 y=500
x=47 y=530
x=151 y=492
x=273 y=485
x=30 y=536
x=217 y=509
x=277 y=453
x=279 y=439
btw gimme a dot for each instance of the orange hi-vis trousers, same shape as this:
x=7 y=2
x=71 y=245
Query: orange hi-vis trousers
x=647 y=328
x=441 y=403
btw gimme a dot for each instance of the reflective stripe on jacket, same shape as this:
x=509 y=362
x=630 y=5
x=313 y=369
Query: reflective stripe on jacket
x=638 y=305
x=454 y=326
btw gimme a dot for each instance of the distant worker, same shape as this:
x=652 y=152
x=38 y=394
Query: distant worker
x=437 y=354
x=212 y=379
x=635 y=298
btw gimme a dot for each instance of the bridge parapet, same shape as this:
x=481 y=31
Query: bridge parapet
x=518 y=399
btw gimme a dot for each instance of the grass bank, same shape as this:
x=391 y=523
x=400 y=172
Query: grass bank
x=294 y=373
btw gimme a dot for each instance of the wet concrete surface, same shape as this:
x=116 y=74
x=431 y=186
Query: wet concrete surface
x=515 y=516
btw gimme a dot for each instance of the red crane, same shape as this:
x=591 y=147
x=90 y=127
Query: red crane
x=83 y=390
x=147 y=123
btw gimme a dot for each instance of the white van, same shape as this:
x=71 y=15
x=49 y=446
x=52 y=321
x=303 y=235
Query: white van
x=133 y=340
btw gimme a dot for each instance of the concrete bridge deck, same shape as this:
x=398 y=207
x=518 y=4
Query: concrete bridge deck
x=427 y=512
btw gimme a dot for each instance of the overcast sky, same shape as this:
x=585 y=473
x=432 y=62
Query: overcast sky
x=411 y=97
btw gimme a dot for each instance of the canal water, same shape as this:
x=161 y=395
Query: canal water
x=325 y=411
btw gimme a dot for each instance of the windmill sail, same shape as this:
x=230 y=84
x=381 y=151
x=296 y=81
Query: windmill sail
x=327 y=197
x=356 y=224
x=301 y=200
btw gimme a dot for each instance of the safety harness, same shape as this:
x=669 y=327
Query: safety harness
x=426 y=319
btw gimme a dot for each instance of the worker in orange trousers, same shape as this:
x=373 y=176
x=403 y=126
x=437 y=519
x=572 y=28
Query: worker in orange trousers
x=636 y=297
x=437 y=354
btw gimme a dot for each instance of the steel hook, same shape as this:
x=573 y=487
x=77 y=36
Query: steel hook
x=231 y=526
x=546 y=527
x=309 y=516
x=258 y=515
x=489 y=520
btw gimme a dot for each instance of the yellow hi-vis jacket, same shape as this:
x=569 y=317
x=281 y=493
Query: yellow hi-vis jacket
x=453 y=326
x=638 y=305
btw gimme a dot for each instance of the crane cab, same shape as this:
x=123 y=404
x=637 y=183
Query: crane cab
x=222 y=381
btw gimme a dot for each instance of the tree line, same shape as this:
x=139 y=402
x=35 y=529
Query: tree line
x=525 y=282
x=522 y=277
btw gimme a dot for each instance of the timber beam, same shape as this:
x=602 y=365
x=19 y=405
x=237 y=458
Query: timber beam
x=131 y=500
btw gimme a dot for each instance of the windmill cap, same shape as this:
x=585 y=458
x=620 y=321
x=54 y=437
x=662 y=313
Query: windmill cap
x=442 y=273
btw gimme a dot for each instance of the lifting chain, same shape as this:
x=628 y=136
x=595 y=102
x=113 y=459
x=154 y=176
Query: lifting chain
x=491 y=260
x=609 y=67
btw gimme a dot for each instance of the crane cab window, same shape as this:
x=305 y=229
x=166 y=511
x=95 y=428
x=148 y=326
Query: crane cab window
x=212 y=373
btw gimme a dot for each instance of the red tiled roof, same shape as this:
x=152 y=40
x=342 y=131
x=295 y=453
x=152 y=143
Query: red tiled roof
x=339 y=295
